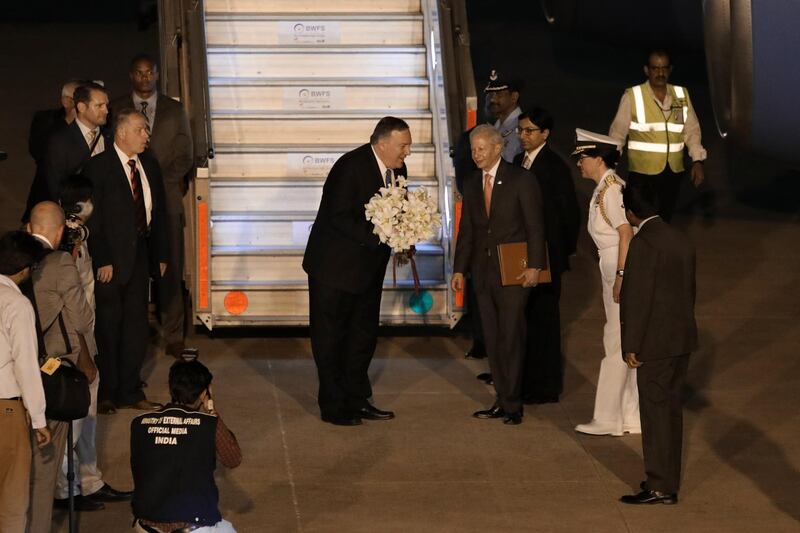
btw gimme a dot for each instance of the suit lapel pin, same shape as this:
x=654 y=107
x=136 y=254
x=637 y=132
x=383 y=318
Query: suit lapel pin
x=499 y=183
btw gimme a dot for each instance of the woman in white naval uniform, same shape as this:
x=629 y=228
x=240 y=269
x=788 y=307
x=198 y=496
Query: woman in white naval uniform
x=616 y=405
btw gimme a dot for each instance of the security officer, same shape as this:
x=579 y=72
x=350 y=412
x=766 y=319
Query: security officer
x=616 y=405
x=502 y=99
x=659 y=121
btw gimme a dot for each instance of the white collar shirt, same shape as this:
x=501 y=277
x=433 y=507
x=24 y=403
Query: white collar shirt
x=148 y=197
x=645 y=221
x=19 y=358
x=492 y=172
x=100 y=146
x=532 y=155
x=383 y=168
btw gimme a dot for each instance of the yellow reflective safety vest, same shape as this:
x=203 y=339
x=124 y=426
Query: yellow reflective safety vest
x=655 y=139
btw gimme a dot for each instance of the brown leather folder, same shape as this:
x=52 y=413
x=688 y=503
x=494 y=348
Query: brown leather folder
x=513 y=258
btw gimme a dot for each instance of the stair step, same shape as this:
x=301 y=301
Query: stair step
x=290 y=302
x=300 y=196
x=218 y=250
x=311 y=6
x=383 y=81
x=287 y=268
x=265 y=231
x=289 y=161
x=308 y=128
x=269 y=95
x=314 y=62
x=314 y=30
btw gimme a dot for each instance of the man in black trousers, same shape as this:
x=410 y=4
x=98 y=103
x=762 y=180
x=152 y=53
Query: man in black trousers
x=658 y=332
x=346 y=263
x=501 y=205
x=128 y=241
x=543 y=378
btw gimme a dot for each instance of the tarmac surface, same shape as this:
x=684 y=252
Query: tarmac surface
x=435 y=468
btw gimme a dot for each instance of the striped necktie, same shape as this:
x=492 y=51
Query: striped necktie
x=146 y=117
x=140 y=213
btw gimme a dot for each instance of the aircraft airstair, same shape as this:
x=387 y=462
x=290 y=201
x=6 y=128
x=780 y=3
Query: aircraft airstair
x=291 y=86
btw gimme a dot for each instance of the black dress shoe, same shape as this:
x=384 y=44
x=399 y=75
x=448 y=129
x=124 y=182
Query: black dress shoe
x=81 y=503
x=477 y=351
x=540 y=399
x=342 y=420
x=107 y=493
x=649 y=497
x=486 y=377
x=494 y=411
x=370 y=412
x=512 y=419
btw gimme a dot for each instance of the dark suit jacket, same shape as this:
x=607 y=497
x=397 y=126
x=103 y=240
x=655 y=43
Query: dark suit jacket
x=170 y=142
x=67 y=154
x=342 y=250
x=658 y=294
x=42 y=125
x=112 y=238
x=516 y=215
x=560 y=206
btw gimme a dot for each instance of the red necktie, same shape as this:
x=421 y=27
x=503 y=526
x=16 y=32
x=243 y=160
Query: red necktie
x=487 y=192
x=140 y=214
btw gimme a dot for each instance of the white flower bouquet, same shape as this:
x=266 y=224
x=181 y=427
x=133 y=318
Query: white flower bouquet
x=401 y=219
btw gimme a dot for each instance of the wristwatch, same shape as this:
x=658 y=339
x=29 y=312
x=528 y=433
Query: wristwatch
x=620 y=273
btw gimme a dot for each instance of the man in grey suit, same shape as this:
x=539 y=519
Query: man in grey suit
x=658 y=333
x=67 y=325
x=171 y=143
x=501 y=205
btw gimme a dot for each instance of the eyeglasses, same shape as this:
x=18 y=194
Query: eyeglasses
x=527 y=131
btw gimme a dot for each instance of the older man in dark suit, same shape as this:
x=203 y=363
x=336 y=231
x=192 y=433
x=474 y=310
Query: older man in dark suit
x=128 y=236
x=70 y=148
x=501 y=205
x=346 y=263
x=171 y=143
x=543 y=379
x=658 y=332
x=44 y=123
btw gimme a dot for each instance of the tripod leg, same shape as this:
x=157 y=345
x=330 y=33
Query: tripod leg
x=70 y=479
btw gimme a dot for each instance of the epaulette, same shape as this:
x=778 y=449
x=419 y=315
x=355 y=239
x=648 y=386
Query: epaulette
x=611 y=179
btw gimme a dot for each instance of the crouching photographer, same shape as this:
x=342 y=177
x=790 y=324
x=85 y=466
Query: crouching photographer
x=173 y=457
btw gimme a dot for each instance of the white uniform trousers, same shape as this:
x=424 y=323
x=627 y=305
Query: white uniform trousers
x=617 y=399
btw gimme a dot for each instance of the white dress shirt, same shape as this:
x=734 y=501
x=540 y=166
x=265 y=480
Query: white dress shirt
x=492 y=172
x=532 y=156
x=148 y=198
x=100 y=146
x=19 y=355
x=383 y=168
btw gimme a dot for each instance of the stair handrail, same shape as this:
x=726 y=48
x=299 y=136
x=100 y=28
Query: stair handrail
x=183 y=53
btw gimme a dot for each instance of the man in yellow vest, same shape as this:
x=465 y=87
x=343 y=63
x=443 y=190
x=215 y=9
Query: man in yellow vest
x=659 y=122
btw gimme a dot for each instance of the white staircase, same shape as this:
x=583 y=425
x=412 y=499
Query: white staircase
x=292 y=86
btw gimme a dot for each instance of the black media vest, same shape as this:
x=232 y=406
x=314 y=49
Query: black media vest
x=173 y=457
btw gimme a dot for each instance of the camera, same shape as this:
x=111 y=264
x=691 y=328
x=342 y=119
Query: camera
x=74 y=233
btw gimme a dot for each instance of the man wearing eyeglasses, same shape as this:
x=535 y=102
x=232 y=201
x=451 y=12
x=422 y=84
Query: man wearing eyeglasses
x=659 y=122
x=502 y=102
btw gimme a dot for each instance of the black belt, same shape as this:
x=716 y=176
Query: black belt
x=151 y=529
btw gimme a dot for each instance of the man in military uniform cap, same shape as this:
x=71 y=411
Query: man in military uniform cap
x=502 y=98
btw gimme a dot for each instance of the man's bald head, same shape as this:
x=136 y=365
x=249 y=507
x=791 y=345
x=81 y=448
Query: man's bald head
x=47 y=220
